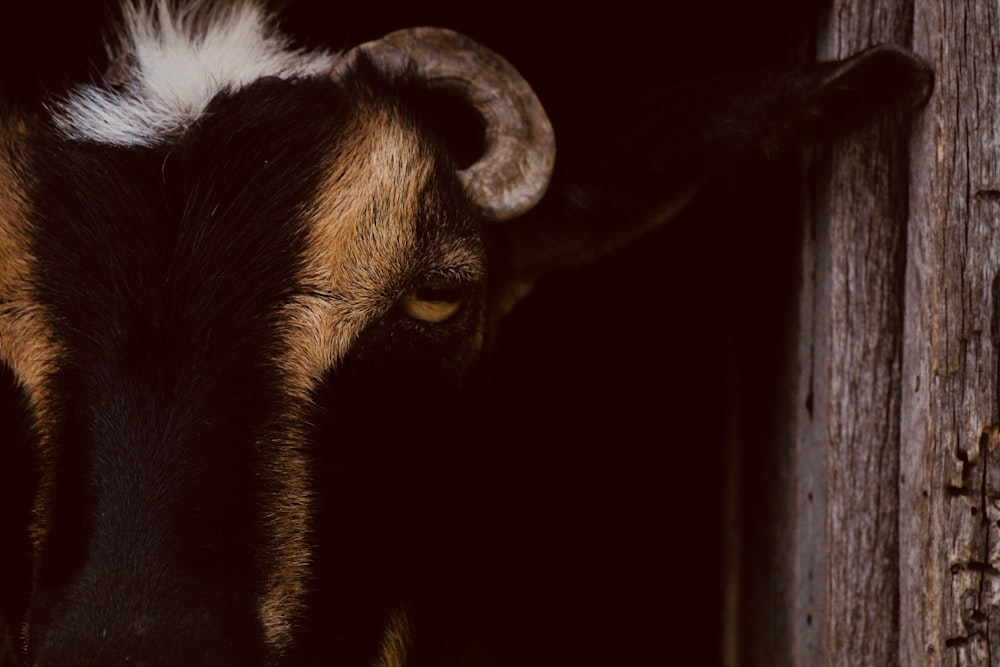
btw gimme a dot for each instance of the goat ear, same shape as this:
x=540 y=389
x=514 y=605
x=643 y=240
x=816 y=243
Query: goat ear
x=624 y=170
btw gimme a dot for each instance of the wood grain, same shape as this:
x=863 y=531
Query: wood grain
x=950 y=611
x=846 y=546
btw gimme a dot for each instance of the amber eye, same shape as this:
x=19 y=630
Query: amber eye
x=434 y=302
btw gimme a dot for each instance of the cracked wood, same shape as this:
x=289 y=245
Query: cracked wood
x=950 y=444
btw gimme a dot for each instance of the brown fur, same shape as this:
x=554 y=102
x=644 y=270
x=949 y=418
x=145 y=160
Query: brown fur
x=361 y=241
x=27 y=346
x=395 y=642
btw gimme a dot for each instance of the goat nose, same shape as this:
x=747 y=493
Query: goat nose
x=157 y=646
x=109 y=656
x=151 y=619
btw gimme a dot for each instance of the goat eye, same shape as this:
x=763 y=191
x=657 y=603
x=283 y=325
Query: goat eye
x=434 y=302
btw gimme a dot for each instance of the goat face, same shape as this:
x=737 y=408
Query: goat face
x=188 y=365
x=243 y=336
x=245 y=310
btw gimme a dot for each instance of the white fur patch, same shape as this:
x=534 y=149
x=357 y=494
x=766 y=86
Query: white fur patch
x=170 y=61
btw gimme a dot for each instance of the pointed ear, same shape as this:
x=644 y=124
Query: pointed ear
x=627 y=169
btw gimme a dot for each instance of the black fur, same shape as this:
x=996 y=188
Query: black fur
x=163 y=270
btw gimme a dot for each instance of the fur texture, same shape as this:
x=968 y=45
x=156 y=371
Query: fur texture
x=169 y=62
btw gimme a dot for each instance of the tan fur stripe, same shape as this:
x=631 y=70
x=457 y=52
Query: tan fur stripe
x=360 y=231
x=395 y=642
x=290 y=508
x=361 y=236
x=26 y=343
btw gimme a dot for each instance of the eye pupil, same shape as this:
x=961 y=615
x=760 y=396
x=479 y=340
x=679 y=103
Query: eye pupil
x=439 y=294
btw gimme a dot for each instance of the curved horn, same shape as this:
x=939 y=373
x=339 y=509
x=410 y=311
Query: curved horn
x=516 y=166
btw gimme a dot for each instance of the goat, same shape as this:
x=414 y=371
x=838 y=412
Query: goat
x=238 y=284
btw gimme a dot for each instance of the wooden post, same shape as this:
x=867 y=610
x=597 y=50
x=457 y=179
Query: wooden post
x=845 y=563
x=950 y=444
x=896 y=490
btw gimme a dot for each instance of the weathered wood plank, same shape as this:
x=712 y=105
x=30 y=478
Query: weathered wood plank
x=950 y=598
x=847 y=550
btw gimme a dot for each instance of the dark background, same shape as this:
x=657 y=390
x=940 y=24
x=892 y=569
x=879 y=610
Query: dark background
x=625 y=387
